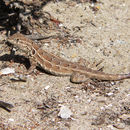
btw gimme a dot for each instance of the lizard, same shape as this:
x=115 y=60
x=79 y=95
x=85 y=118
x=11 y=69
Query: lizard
x=58 y=66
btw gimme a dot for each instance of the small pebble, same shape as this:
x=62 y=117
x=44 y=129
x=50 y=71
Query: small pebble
x=60 y=25
x=109 y=94
x=41 y=20
x=7 y=71
x=11 y=119
x=65 y=112
x=47 y=87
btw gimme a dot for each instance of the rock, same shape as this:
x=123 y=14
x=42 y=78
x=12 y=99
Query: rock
x=7 y=71
x=65 y=112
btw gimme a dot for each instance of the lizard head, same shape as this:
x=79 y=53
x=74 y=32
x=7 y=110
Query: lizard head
x=19 y=41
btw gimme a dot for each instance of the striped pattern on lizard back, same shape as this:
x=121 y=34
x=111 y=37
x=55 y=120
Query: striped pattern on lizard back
x=58 y=66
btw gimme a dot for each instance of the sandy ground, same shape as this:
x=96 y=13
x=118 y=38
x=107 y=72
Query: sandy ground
x=104 y=35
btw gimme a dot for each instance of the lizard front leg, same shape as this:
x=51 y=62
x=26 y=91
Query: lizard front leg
x=28 y=61
x=32 y=67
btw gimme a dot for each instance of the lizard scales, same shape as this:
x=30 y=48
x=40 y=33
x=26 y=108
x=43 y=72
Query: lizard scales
x=58 y=66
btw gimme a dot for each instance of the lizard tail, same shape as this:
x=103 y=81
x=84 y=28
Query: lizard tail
x=113 y=77
x=119 y=76
x=124 y=76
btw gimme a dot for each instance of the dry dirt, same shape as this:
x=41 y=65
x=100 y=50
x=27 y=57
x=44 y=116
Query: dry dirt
x=105 y=35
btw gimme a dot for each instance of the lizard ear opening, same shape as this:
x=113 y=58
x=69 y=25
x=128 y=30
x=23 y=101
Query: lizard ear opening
x=33 y=52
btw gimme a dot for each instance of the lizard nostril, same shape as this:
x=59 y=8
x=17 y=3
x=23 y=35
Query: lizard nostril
x=17 y=40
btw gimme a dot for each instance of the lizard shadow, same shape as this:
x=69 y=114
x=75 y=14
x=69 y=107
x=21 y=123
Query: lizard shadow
x=21 y=60
x=17 y=59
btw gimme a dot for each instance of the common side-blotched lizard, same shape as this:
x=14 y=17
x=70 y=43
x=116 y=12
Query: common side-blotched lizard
x=58 y=66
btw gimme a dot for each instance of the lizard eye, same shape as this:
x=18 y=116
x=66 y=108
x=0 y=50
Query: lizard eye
x=17 y=40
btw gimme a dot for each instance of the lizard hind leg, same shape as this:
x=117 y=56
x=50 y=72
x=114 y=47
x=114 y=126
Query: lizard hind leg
x=77 y=77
